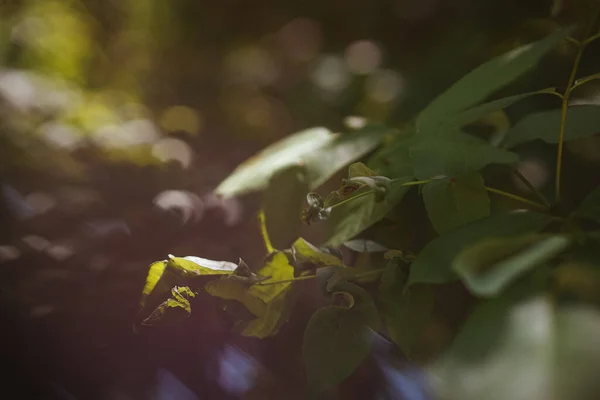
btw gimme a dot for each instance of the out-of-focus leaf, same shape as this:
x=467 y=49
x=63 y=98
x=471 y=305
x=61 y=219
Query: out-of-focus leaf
x=522 y=350
x=451 y=203
x=336 y=341
x=582 y=121
x=488 y=266
x=337 y=338
x=405 y=311
x=349 y=219
x=172 y=310
x=319 y=150
x=433 y=265
x=270 y=303
x=486 y=79
x=453 y=153
x=306 y=252
x=590 y=206
x=359 y=169
x=282 y=205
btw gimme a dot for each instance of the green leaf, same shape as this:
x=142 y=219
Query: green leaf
x=486 y=79
x=451 y=203
x=490 y=265
x=394 y=160
x=475 y=113
x=362 y=303
x=433 y=265
x=405 y=311
x=336 y=342
x=590 y=206
x=282 y=205
x=528 y=349
x=352 y=217
x=582 y=121
x=454 y=153
x=359 y=169
x=319 y=150
x=270 y=303
x=305 y=252
x=165 y=274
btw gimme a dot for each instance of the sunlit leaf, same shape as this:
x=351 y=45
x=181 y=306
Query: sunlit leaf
x=451 y=203
x=590 y=206
x=349 y=219
x=282 y=205
x=488 y=266
x=270 y=303
x=582 y=121
x=486 y=79
x=433 y=265
x=306 y=252
x=320 y=151
x=405 y=311
x=528 y=349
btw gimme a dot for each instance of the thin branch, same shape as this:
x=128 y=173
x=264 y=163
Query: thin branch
x=530 y=186
x=517 y=198
x=300 y=278
x=585 y=79
x=565 y=105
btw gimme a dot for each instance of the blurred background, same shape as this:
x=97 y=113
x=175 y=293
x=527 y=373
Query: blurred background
x=119 y=117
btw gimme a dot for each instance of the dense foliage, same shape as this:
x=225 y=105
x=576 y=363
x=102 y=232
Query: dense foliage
x=534 y=266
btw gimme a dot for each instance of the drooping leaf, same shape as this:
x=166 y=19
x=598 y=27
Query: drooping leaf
x=453 y=153
x=365 y=246
x=349 y=219
x=433 y=265
x=590 y=206
x=362 y=303
x=489 y=265
x=582 y=121
x=306 y=252
x=486 y=79
x=528 y=349
x=269 y=302
x=172 y=310
x=319 y=150
x=451 y=203
x=282 y=205
x=336 y=341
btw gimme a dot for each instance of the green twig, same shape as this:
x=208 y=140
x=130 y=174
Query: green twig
x=592 y=38
x=515 y=197
x=530 y=186
x=585 y=79
x=565 y=105
x=300 y=278
x=411 y=183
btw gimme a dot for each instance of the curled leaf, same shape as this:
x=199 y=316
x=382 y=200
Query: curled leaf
x=172 y=310
x=315 y=210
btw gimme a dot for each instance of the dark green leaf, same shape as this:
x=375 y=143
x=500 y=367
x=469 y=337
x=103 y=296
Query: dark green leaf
x=405 y=311
x=475 y=113
x=523 y=350
x=433 y=265
x=453 y=153
x=486 y=79
x=282 y=205
x=365 y=246
x=363 y=302
x=451 y=203
x=590 y=206
x=490 y=265
x=349 y=219
x=582 y=121
x=319 y=150
x=336 y=341
x=359 y=169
